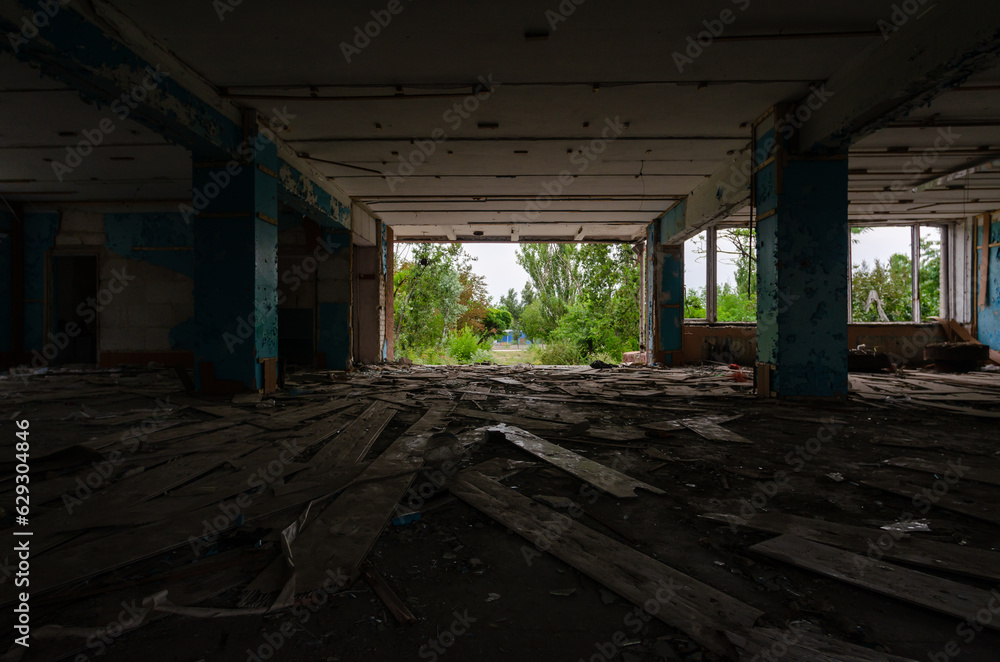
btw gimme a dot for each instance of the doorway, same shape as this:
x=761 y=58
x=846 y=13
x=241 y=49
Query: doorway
x=74 y=308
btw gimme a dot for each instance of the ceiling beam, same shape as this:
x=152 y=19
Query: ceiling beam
x=724 y=192
x=921 y=57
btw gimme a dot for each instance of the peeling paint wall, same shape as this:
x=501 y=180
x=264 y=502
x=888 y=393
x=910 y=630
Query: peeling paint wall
x=988 y=325
x=802 y=276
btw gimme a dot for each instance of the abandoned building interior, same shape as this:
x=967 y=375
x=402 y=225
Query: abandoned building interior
x=212 y=451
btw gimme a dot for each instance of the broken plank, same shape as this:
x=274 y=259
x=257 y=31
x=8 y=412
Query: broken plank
x=958 y=559
x=959 y=470
x=711 y=430
x=511 y=419
x=603 y=478
x=941 y=595
x=685 y=603
x=352 y=444
x=976 y=502
x=341 y=536
x=396 y=607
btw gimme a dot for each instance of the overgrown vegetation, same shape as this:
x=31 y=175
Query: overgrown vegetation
x=581 y=304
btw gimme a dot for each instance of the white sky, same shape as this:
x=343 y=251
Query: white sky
x=497 y=262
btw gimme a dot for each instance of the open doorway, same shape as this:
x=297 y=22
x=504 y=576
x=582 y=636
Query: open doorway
x=73 y=313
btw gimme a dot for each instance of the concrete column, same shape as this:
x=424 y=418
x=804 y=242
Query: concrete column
x=802 y=248
x=667 y=300
x=236 y=271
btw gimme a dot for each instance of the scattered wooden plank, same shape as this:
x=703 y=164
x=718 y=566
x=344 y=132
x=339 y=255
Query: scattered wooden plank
x=396 y=607
x=512 y=419
x=941 y=595
x=476 y=393
x=603 y=478
x=965 y=499
x=685 y=603
x=979 y=474
x=341 y=536
x=958 y=559
x=711 y=430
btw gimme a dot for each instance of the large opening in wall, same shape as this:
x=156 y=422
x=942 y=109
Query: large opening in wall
x=895 y=273
x=75 y=300
x=537 y=303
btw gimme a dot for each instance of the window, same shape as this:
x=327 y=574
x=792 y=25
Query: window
x=895 y=273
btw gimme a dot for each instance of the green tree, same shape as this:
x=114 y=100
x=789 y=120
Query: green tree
x=497 y=321
x=555 y=276
x=511 y=303
x=427 y=296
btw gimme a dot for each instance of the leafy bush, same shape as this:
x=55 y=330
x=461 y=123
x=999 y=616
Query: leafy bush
x=463 y=345
x=557 y=352
x=482 y=356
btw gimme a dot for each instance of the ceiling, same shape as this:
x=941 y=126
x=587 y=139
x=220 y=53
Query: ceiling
x=554 y=89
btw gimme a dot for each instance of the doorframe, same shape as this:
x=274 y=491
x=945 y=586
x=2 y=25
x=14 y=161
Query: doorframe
x=69 y=251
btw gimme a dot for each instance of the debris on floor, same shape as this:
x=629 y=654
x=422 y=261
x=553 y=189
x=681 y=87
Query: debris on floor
x=388 y=503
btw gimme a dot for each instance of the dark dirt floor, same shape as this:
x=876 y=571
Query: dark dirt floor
x=481 y=592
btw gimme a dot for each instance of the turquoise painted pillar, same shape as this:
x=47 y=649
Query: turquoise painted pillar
x=802 y=251
x=235 y=208
x=667 y=299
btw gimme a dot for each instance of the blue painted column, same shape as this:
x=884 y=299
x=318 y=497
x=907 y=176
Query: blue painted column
x=667 y=299
x=236 y=271
x=802 y=252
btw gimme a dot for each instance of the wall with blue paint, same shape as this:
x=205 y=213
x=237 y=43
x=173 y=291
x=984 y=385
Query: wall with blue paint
x=989 y=317
x=128 y=234
x=6 y=281
x=802 y=277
